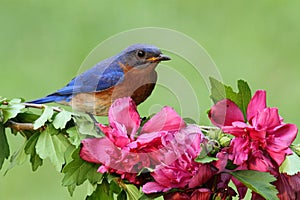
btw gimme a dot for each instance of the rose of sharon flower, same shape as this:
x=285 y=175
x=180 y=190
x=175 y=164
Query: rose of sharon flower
x=125 y=150
x=178 y=169
x=261 y=144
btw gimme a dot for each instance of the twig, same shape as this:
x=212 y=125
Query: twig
x=34 y=105
x=19 y=126
x=40 y=106
x=26 y=126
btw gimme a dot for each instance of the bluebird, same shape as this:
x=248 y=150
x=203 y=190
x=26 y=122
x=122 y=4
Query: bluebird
x=131 y=73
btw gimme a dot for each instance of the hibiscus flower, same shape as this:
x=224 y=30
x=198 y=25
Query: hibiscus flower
x=262 y=143
x=128 y=148
x=178 y=168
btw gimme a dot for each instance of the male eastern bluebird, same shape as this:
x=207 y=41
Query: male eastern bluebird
x=131 y=73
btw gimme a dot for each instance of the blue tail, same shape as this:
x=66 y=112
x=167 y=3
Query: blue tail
x=48 y=99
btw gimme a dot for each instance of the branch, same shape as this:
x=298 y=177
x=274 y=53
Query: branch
x=40 y=106
x=33 y=105
x=19 y=126
x=27 y=126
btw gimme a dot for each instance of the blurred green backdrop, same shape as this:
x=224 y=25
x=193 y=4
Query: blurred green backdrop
x=42 y=44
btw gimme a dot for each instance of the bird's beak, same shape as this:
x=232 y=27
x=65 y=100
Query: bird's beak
x=159 y=58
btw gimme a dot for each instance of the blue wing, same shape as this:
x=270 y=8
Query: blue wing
x=98 y=78
x=92 y=83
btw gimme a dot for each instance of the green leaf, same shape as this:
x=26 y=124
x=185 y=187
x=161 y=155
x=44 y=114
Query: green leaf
x=102 y=192
x=122 y=195
x=69 y=154
x=288 y=166
x=145 y=170
x=206 y=159
x=93 y=176
x=189 y=120
x=4 y=147
x=244 y=96
x=53 y=146
x=220 y=91
x=71 y=189
x=111 y=177
x=296 y=148
x=78 y=171
x=258 y=182
x=2 y=99
x=35 y=159
x=18 y=158
x=12 y=109
x=46 y=115
x=132 y=192
x=90 y=188
x=206 y=150
x=27 y=117
x=74 y=136
x=153 y=196
x=115 y=187
x=61 y=119
x=1 y=116
x=86 y=126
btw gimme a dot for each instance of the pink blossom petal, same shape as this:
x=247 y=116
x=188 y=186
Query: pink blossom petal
x=224 y=113
x=123 y=111
x=153 y=187
x=148 y=140
x=95 y=150
x=256 y=104
x=165 y=120
x=278 y=153
x=285 y=134
x=266 y=119
x=278 y=143
x=116 y=135
x=259 y=162
x=221 y=163
x=278 y=156
x=103 y=151
x=114 y=159
x=170 y=176
x=236 y=131
x=239 y=148
x=239 y=124
x=102 y=169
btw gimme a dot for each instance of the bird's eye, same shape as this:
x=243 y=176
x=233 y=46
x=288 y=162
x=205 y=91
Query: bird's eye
x=141 y=53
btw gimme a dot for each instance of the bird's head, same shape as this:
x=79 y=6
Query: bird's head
x=142 y=56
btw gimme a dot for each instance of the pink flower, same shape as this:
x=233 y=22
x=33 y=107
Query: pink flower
x=178 y=168
x=261 y=143
x=126 y=150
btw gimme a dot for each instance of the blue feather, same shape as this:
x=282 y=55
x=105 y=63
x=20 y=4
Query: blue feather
x=48 y=99
x=103 y=75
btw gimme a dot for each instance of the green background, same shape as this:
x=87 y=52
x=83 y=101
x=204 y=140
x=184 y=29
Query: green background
x=42 y=44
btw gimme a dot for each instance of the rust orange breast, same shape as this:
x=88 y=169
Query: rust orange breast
x=137 y=84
